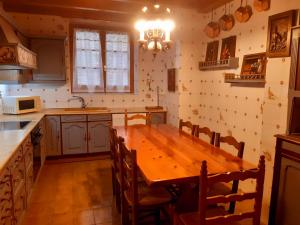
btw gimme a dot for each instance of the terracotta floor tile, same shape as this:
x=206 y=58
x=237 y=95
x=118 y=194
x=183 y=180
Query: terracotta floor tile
x=103 y=215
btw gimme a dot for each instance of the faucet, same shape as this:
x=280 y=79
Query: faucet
x=81 y=99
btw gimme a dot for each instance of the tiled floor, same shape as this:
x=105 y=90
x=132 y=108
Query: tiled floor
x=73 y=193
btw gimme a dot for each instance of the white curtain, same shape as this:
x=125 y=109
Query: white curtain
x=88 y=68
x=117 y=62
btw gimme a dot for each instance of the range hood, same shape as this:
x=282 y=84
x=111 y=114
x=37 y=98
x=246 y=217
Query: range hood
x=14 y=55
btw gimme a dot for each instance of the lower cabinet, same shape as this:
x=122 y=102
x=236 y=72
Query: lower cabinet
x=53 y=136
x=15 y=184
x=98 y=136
x=74 y=138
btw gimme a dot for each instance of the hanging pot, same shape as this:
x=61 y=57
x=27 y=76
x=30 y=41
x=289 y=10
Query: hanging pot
x=226 y=21
x=212 y=29
x=261 y=5
x=243 y=13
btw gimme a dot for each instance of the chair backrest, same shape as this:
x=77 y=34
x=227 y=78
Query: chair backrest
x=138 y=116
x=187 y=124
x=231 y=141
x=129 y=183
x=206 y=131
x=114 y=149
x=207 y=180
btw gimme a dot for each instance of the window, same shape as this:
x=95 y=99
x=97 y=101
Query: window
x=102 y=61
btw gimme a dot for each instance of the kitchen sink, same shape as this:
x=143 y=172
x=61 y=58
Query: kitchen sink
x=88 y=109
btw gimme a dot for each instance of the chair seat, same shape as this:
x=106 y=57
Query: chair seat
x=193 y=218
x=150 y=196
x=220 y=189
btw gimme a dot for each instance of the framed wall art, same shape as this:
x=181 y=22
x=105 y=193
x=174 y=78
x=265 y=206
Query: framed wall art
x=212 y=51
x=172 y=80
x=254 y=64
x=228 y=48
x=279 y=34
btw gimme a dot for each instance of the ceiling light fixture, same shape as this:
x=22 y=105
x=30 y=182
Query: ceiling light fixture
x=155 y=28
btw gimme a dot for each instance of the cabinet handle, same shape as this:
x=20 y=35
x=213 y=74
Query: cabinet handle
x=89 y=138
x=85 y=137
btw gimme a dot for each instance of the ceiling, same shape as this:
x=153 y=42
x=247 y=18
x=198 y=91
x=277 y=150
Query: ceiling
x=107 y=10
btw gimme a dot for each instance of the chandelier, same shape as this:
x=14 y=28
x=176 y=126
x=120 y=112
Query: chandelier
x=155 y=28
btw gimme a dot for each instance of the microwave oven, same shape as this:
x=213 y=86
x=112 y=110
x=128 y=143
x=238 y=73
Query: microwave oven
x=20 y=104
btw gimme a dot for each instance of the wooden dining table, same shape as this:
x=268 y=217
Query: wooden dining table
x=166 y=155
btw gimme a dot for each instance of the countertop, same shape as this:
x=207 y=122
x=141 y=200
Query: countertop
x=10 y=140
x=62 y=111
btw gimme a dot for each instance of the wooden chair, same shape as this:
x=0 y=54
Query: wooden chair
x=137 y=197
x=146 y=117
x=221 y=187
x=187 y=124
x=206 y=131
x=115 y=167
x=217 y=216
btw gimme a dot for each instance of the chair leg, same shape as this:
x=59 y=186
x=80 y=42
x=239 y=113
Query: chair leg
x=118 y=196
x=113 y=180
x=157 y=217
x=231 y=207
x=125 y=213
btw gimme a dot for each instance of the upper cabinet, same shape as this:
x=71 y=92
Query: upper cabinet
x=50 y=60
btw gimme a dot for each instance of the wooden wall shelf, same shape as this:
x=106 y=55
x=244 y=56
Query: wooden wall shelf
x=231 y=63
x=251 y=78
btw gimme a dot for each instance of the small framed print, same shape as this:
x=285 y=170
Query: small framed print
x=254 y=64
x=171 y=80
x=228 y=48
x=279 y=34
x=212 y=51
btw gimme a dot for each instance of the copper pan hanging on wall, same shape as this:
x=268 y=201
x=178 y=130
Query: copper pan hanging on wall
x=243 y=13
x=226 y=21
x=261 y=5
x=212 y=29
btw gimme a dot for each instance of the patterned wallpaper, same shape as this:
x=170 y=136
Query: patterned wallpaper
x=251 y=114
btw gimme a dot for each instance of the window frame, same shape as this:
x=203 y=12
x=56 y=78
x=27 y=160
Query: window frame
x=102 y=31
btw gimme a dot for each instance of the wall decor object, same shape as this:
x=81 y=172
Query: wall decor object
x=279 y=34
x=212 y=51
x=227 y=20
x=243 y=13
x=171 y=80
x=212 y=29
x=228 y=48
x=261 y=5
x=253 y=70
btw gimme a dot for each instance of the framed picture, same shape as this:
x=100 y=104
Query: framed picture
x=212 y=51
x=171 y=80
x=254 y=64
x=228 y=48
x=279 y=34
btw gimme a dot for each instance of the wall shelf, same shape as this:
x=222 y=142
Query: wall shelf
x=251 y=78
x=231 y=63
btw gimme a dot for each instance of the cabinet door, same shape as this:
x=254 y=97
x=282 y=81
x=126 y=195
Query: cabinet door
x=74 y=138
x=98 y=136
x=288 y=194
x=157 y=118
x=53 y=136
x=50 y=59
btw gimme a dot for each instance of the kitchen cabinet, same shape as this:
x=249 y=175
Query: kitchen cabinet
x=98 y=136
x=74 y=138
x=284 y=206
x=53 y=136
x=158 y=117
x=50 y=59
x=16 y=184
x=85 y=133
